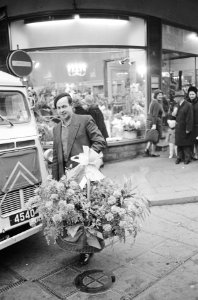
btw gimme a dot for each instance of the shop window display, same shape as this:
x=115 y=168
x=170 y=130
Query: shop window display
x=115 y=78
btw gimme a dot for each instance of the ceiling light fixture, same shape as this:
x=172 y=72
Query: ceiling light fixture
x=75 y=16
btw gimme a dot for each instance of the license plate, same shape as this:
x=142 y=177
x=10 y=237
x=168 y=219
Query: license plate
x=22 y=216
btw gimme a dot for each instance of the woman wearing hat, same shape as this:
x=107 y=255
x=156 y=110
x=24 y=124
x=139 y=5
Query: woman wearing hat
x=154 y=121
x=193 y=99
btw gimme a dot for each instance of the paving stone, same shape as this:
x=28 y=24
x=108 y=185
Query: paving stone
x=132 y=281
x=188 y=211
x=108 y=295
x=177 y=251
x=174 y=218
x=27 y=291
x=155 y=264
x=171 y=231
x=62 y=281
x=33 y=257
x=7 y=278
x=99 y=261
x=125 y=252
x=147 y=239
x=195 y=259
x=181 y=284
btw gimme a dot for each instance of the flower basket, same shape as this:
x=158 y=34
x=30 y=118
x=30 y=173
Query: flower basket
x=83 y=209
x=80 y=245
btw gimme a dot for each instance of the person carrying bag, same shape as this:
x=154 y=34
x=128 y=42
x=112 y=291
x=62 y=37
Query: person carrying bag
x=154 y=124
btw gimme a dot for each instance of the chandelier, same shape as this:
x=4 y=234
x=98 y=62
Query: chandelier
x=77 y=69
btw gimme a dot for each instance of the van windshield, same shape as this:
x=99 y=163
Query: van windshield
x=13 y=107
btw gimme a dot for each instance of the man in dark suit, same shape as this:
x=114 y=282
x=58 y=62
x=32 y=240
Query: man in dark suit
x=183 y=129
x=71 y=134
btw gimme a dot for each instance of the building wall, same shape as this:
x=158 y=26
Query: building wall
x=183 y=12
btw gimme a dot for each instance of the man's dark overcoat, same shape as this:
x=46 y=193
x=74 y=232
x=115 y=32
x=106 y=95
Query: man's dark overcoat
x=184 y=122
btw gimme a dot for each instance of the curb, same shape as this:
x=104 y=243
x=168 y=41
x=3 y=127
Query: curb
x=184 y=200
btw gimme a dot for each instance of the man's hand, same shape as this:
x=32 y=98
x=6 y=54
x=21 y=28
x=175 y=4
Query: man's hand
x=153 y=126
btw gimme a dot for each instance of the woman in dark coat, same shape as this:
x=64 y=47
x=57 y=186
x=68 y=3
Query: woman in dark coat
x=183 y=129
x=96 y=113
x=154 y=121
x=192 y=98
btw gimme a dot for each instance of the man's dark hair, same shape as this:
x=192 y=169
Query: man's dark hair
x=62 y=95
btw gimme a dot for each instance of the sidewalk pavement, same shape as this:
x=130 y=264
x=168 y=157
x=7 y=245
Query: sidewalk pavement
x=159 y=178
x=162 y=264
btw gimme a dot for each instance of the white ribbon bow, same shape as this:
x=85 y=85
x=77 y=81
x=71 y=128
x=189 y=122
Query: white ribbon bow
x=89 y=162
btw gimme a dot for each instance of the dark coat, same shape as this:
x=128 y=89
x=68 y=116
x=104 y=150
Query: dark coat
x=79 y=110
x=184 y=122
x=82 y=132
x=195 y=118
x=97 y=115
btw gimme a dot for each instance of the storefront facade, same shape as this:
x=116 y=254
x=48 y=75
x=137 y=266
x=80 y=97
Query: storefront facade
x=116 y=53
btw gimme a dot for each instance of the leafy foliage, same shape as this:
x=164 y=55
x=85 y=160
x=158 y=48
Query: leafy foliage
x=103 y=209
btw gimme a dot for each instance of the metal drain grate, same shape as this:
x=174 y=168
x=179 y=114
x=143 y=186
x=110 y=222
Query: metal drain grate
x=19 y=278
x=94 y=281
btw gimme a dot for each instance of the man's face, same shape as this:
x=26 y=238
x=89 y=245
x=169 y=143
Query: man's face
x=192 y=95
x=64 y=109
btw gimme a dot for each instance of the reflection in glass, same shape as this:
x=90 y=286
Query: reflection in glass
x=13 y=107
x=115 y=78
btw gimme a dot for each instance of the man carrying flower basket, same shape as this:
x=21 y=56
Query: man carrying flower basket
x=81 y=208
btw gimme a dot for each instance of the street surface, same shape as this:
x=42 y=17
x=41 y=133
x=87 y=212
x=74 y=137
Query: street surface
x=161 y=265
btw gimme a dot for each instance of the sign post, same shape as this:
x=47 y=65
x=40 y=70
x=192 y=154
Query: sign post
x=19 y=63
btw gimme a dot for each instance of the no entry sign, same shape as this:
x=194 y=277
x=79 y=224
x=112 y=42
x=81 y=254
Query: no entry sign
x=19 y=63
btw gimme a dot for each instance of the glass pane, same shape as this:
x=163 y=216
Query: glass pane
x=13 y=107
x=177 y=39
x=115 y=78
x=178 y=72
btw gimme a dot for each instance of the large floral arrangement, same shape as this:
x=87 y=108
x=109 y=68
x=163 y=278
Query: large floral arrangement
x=102 y=208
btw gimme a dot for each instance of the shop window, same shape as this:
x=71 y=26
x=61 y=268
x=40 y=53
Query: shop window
x=115 y=79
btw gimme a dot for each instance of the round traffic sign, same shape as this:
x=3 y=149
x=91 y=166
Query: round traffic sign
x=19 y=63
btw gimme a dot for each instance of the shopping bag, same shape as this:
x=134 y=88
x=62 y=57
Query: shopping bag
x=152 y=135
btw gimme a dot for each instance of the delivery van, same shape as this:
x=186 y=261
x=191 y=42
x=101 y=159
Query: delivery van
x=22 y=165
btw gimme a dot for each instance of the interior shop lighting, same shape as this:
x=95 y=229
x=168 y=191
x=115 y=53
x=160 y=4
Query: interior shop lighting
x=81 y=17
x=76 y=69
x=193 y=36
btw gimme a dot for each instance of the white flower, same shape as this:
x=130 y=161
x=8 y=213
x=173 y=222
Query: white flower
x=57 y=218
x=109 y=216
x=70 y=207
x=115 y=209
x=70 y=192
x=54 y=197
x=122 y=223
x=74 y=185
x=111 y=200
x=48 y=204
x=117 y=193
x=32 y=222
x=121 y=211
x=107 y=227
x=62 y=203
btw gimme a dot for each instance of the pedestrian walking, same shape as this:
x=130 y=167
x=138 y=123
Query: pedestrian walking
x=193 y=99
x=183 y=128
x=154 y=122
x=69 y=136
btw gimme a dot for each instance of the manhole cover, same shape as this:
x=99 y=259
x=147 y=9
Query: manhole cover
x=94 y=281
